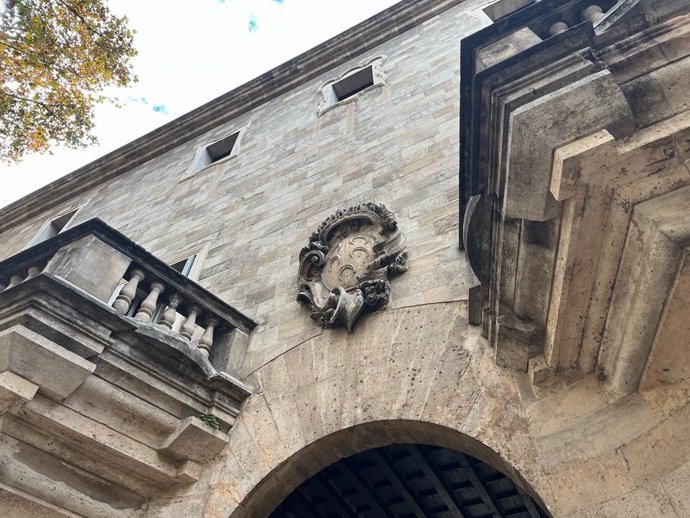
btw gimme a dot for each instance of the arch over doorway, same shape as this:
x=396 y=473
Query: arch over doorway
x=410 y=481
x=385 y=440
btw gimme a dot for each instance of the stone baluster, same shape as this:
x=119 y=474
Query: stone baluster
x=33 y=272
x=14 y=280
x=148 y=306
x=127 y=294
x=558 y=28
x=593 y=13
x=189 y=326
x=206 y=340
x=168 y=318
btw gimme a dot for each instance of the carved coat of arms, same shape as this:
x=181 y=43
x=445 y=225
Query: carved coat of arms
x=344 y=269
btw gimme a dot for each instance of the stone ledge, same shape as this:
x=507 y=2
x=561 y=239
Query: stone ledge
x=84 y=442
x=28 y=487
x=15 y=391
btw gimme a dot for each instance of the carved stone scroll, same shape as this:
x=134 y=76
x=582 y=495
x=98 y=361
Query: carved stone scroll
x=345 y=267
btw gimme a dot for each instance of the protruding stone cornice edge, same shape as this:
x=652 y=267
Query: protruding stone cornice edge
x=281 y=79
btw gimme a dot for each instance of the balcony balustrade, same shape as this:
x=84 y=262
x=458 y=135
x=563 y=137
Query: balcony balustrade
x=167 y=292
x=113 y=367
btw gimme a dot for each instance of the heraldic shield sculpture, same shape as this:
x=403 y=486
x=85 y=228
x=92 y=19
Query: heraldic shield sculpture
x=344 y=270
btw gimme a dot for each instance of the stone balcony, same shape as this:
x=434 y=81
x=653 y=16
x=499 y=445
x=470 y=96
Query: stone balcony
x=108 y=390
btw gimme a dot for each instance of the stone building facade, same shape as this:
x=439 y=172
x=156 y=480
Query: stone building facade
x=517 y=344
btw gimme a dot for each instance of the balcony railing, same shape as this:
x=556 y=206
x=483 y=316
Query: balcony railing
x=104 y=263
x=118 y=358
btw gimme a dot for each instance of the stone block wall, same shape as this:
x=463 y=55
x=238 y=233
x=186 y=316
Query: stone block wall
x=422 y=375
x=415 y=372
x=396 y=144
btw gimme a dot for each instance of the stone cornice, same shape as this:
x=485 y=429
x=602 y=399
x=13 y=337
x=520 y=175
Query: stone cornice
x=353 y=42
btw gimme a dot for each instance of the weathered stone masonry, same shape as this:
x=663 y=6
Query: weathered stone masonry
x=563 y=363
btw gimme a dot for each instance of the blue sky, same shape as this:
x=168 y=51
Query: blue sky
x=189 y=53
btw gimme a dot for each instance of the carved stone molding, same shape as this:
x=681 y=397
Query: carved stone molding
x=345 y=267
x=327 y=96
x=574 y=210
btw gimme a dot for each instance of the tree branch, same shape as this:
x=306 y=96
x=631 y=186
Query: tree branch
x=78 y=15
x=47 y=106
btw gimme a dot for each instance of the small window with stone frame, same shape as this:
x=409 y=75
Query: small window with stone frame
x=185 y=265
x=216 y=152
x=354 y=83
x=351 y=84
x=53 y=227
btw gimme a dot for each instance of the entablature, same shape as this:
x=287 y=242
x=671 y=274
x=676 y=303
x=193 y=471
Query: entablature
x=574 y=127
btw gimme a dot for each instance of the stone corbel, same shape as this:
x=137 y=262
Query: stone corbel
x=612 y=184
x=194 y=441
x=539 y=127
x=30 y=362
x=569 y=165
x=572 y=169
x=519 y=339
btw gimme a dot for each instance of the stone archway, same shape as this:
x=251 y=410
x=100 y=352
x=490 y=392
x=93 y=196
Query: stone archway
x=428 y=466
x=409 y=480
x=414 y=375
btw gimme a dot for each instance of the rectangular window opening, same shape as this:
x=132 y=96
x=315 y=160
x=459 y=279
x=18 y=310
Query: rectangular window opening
x=53 y=227
x=354 y=83
x=184 y=266
x=222 y=148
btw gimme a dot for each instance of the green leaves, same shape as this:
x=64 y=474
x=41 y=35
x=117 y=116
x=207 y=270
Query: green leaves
x=56 y=58
x=209 y=420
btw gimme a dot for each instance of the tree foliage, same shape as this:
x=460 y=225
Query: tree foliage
x=56 y=59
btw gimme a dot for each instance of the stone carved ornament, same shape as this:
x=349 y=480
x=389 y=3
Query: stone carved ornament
x=344 y=270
